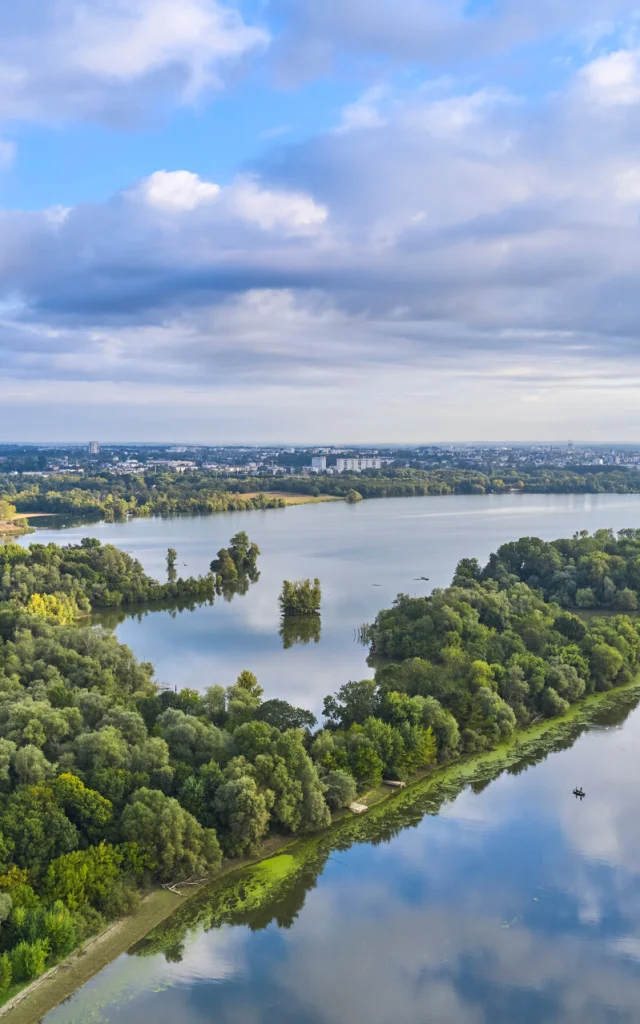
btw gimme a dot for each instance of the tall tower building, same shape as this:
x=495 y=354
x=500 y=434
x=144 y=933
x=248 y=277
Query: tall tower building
x=94 y=448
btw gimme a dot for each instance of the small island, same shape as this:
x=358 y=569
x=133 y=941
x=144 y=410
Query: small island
x=300 y=598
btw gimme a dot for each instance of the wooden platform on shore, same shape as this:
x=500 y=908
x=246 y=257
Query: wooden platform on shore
x=358 y=808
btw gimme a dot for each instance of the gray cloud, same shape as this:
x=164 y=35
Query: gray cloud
x=115 y=61
x=438 y=33
x=449 y=255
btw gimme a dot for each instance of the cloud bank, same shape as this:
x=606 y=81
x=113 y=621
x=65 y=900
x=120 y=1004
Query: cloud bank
x=450 y=260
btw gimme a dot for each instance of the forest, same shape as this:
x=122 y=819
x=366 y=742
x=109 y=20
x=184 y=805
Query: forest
x=78 y=577
x=200 y=492
x=111 y=783
x=588 y=571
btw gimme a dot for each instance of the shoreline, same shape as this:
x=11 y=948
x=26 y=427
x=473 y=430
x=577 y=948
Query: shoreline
x=34 y=1000
x=18 y=525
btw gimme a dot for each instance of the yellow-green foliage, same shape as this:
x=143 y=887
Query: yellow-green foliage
x=7 y=510
x=60 y=607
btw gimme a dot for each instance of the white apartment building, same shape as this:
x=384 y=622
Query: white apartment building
x=357 y=465
x=319 y=463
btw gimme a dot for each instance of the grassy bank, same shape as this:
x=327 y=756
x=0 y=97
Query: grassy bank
x=294 y=499
x=18 y=524
x=285 y=869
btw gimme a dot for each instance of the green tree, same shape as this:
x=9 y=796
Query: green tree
x=300 y=598
x=353 y=496
x=86 y=808
x=364 y=763
x=606 y=663
x=176 y=844
x=172 y=558
x=6 y=972
x=7 y=510
x=340 y=789
x=31 y=766
x=29 y=959
x=243 y=698
x=84 y=876
x=242 y=814
x=353 y=703
x=37 y=827
x=61 y=930
x=283 y=716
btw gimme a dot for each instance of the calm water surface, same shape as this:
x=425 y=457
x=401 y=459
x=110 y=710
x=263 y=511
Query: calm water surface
x=350 y=548
x=515 y=904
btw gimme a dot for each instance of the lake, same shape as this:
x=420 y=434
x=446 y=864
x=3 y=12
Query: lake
x=503 y=901
x=515 y=904
x=350 y=548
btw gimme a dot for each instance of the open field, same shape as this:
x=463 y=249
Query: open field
x=293 y=499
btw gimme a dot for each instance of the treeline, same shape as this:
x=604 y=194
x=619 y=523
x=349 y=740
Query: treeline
x=114 y=497
x=400 y=483
x=109 y=783
x=67 y=581
x=599 y=571
x=478 y=660
x=201 y=492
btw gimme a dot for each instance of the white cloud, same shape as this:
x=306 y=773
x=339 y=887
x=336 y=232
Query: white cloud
x=293 y=212
x=113 y=59
x=178 y=190
x=466 y=263
x=614 y=80
x=365 y=112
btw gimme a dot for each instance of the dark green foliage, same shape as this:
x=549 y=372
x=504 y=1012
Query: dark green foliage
x=599 y=571
x=236 y=567
x=108 y=782
x=340 y=789
x=242 y=813
x=300 y=598
x=284 y=716
x=172 y=557
x=175 y=843
x=92 y=574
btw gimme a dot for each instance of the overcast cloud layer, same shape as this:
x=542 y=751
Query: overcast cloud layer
x=455 y=257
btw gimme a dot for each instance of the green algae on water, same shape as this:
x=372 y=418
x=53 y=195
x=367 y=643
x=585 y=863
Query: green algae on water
x=275 y=889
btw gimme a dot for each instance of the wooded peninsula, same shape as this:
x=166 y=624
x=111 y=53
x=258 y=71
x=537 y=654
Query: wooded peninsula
x=110 y=783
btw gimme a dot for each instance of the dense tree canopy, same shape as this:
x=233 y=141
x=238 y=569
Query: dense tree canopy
x=86 y=575
x=598 y=571
x=109 y=782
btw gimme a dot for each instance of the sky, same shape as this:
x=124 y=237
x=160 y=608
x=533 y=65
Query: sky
x=317 y=221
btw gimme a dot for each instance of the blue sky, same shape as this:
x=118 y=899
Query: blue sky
x=318 y=220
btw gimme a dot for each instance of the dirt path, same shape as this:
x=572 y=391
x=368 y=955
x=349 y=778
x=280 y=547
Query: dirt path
x=45 y=993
